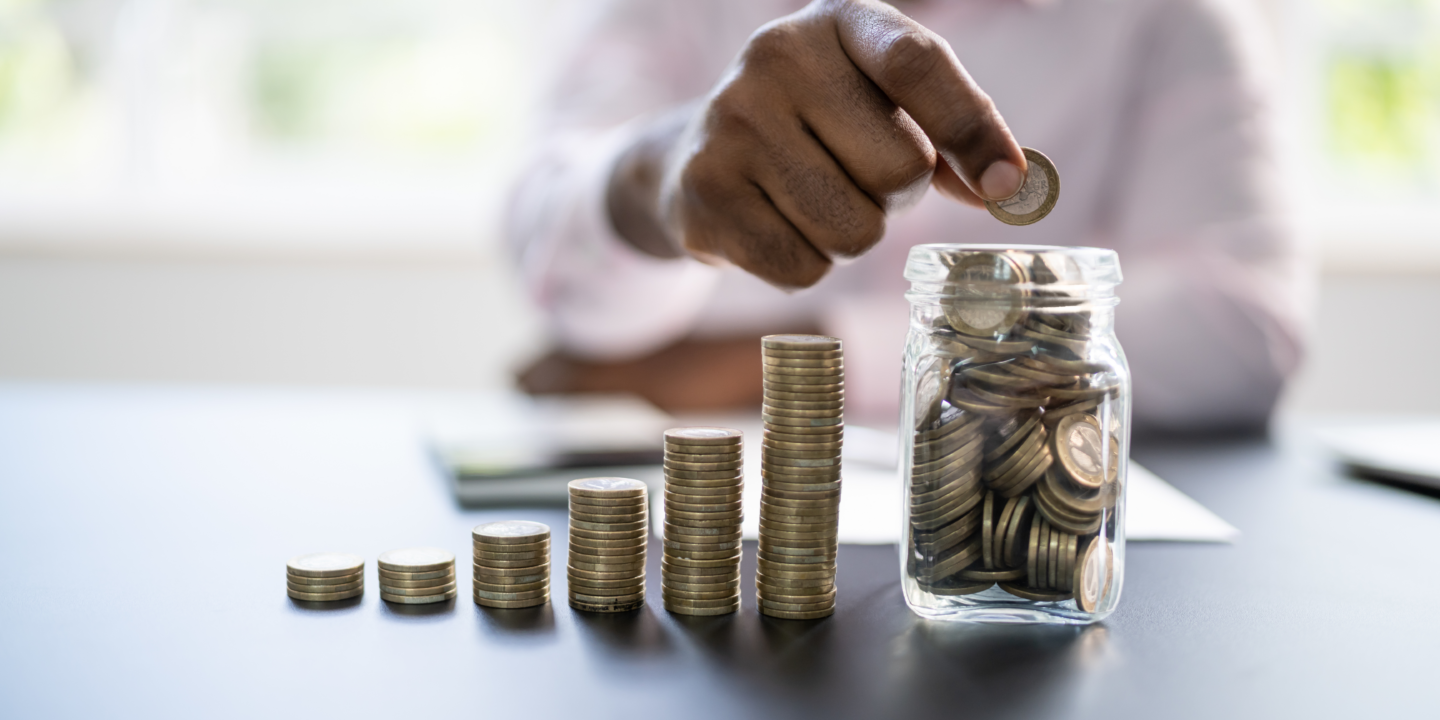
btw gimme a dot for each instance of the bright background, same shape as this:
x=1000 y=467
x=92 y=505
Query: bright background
x=274 y=191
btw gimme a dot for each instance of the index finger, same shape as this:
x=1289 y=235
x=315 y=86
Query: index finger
x=919 y=72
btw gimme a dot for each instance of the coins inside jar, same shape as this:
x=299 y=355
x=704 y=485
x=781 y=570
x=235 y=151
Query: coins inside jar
x=1016 y=458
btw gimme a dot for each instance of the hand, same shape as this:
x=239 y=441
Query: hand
x=829 y=119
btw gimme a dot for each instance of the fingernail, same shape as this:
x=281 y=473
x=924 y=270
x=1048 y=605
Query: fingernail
x=1001 y=180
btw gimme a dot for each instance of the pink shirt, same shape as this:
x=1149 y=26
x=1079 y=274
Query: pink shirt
x=1153 y=111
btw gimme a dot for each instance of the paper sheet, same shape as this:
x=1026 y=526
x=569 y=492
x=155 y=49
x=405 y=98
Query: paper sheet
x=871 y=513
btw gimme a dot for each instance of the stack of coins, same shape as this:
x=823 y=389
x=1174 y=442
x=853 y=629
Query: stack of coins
x=1014 y=474
x=322 y=577
x=417 y=576
x=700 y=571
x=609 y=525
x=512 y=564
x=800 y=467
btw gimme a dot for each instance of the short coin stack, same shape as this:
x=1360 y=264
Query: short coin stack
x=700 y=571
x=800 y=467
x=512 y=564
x=323 y=577
x=417 y=576
x=609 y=525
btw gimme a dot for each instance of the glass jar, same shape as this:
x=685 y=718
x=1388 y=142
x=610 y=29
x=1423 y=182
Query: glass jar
x=1016 y=426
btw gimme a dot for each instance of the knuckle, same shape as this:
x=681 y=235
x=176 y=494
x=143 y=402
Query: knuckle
x=773 y=44
x=864 y=231
x=909 y=57
x=911 y=166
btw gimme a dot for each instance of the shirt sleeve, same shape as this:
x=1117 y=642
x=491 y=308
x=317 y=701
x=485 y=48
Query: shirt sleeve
x=1212 y=314
x=633 y=59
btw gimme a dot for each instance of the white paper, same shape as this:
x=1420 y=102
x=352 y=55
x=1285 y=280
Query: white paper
x=871 y=512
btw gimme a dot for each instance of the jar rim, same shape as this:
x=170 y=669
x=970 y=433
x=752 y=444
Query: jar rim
x=1090 y=270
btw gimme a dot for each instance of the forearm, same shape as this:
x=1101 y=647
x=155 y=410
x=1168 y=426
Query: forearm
x=632 y=196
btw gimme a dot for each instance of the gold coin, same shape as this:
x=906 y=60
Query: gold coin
x=771 y=361
x=703 y=436
x=608 y=531
x=540 y=554
x=511 y=572
x=626 y=540
x=1081 y=447
x=702 y=466
x=512 y=604
x=1094 y=574
x=324 y=589
x=607 y=487
x=685 y=604
x=637 y=580
x=323 y=581
x=724 y=570
x=527 y=595
x=588 y=607
x=826 y=421
x=325 y=597
x=797 y=570
x=680 y=457
x=771 y=445
x=691 y=478
x=609 y=512
x=768 y=541
x=632 y=567
x=608 y=552
x=725 y=594
x=509 y=564
x=811 y=438
x=417 y=592
x=711 y=584
x=1054 y=414
x=783 y=615
x=606 y=522
x=326 y=564
x=731 y=562
x=703 y=495
x=810 y=343
x=789 y=473
x=703 y=612
x=836 y=406
x=413 y=560
x=801 y=354
x=820 y=580
x=681 y=496
x=817 y=384
x=417 y=600
x=777 y=395
x=824 y=433
x=806 y=485
x=581 y=588
x=637 y=501
x=479 y=577
x=695 y=543
x=516 y=588
x=436 y=582
x=511 y=532
x=536 y=547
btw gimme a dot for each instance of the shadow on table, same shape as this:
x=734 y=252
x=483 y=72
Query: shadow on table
x=1015 y=669
x=409 y=612
x=633 y=634
x=518 y=622
x=331 y=606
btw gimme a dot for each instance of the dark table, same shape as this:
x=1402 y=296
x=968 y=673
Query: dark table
x=145 y=530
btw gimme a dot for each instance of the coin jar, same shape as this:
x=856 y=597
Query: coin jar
x=1015 y=427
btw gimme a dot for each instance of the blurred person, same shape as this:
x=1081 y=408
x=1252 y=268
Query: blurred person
x=707 y=173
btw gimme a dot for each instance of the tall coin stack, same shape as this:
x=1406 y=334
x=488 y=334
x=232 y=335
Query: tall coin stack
x=417 y=576
x=800 y=467
x=609 y=525
x=323 y=577
x=512 y=564
x=700 y=571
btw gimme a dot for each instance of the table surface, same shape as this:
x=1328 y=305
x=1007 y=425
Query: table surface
x=145 y=529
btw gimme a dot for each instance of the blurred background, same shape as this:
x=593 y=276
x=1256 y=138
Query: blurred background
x=261 y=191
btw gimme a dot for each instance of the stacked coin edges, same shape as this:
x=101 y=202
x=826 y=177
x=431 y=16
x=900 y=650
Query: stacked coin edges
x=337 y=577
x=417 y=583
x=704 y=478
x=510 y=570
x=803 y=416
x=609 y=529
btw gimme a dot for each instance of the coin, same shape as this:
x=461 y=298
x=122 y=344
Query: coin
x=1035 y=594
x=965 y=588
x=722 y=594
x=670 y=464
x=417 y=600
x=587 y=607
x=1037 y=196
x=418 y=592
x=322 y=582
x=811 y=343
x=512 y=604
x=687 y=457
x=324 y=589
x=512 y=572
x=325 y=597
x=1094 y=574
x=435 y=582
x=603 y=522
x=808 y=396
x=625 y=582
x=326 y=564
x=518 y=588
x=607 y=487
x=715 y=436
x=511 y=532
x=811 y=615
x=541 y=548
x=416 y=560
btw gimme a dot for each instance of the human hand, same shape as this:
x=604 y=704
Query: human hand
x=829 y=119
